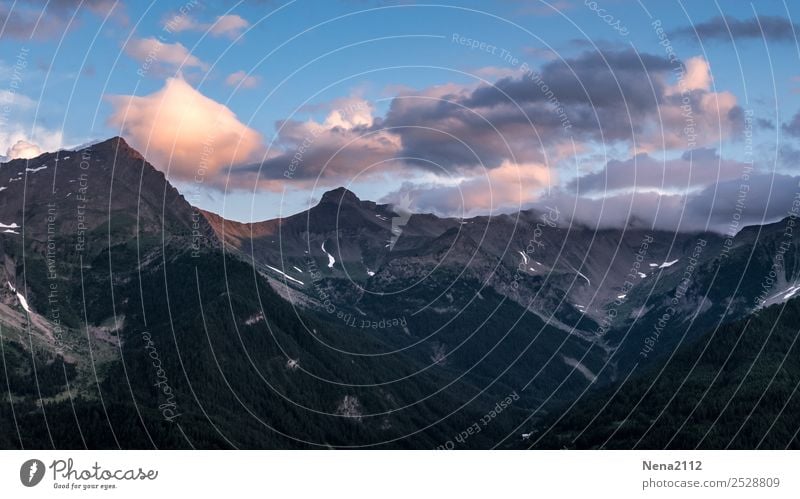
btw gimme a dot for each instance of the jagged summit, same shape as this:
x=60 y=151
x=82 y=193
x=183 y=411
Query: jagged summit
x=116 y=142
x=117 y=146
x=340 y=195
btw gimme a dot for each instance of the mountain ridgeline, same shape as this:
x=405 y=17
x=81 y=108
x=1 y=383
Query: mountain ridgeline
x=131 y=319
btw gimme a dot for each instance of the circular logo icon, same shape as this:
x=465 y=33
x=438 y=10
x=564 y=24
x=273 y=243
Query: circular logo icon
x=31 y=472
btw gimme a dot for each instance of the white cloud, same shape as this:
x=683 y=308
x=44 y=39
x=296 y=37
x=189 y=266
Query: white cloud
x=348 y=113
x=11 y=98
x=21 y=142
x=23 y=149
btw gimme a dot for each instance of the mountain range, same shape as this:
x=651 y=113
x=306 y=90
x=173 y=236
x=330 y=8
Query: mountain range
x=130 y=318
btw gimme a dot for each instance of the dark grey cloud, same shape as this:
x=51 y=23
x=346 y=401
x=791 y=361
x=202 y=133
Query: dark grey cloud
x=41 y=19
x=792 y=128
x=613 y=98
x=765 y=124
x=773 y=28
x=606 y=97
x=768 y=199
x=587 y=97
x=447 y=136
x=707 y=195
x=789 y=156
x=306 y=153
x=599 y=79
x=701 y=154
x=694 y=169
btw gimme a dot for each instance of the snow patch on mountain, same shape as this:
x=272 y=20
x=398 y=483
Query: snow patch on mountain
x=22 y=300
x=791 y=292
x=783 y=295
x=331 y=259
x=580 y=274
x=285 y=275
x=574 y=363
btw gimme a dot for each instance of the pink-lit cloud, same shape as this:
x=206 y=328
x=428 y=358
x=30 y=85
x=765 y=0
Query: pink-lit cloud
x=23 y=149
x=242 y=80
x=154 y=52
x=509 y=187
x=184 y=132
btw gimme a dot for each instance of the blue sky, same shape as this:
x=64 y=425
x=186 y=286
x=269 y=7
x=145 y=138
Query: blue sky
x=378 y=62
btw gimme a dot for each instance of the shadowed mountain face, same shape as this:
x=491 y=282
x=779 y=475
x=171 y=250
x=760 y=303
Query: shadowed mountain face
x=613 y=289
x=735 y=388
x=100 y=212
x=155 y=324
x=74 y=193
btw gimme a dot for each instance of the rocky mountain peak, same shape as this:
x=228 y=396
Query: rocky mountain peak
x=339 y=195
x=118 y=147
